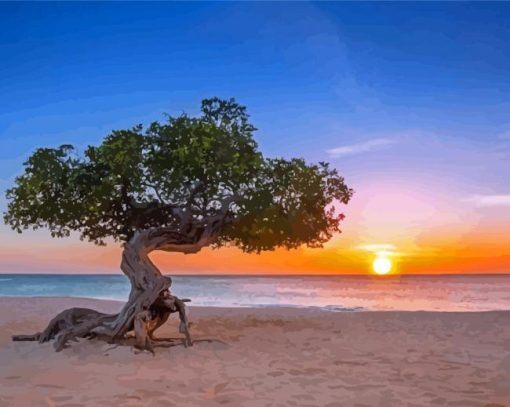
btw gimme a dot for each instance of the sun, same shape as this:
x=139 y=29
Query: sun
x=381 y=265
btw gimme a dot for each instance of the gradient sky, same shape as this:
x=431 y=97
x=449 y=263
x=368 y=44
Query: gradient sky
x=410 y=101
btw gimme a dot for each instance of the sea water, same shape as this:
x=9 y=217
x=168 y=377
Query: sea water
x=335 y=293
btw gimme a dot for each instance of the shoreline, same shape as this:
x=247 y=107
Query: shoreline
x=264 y=356
x=326 y=308
x=334 y=294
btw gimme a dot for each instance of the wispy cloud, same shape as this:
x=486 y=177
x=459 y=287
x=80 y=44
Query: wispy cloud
x=489 y=200
x=364 y=147
x=505 y=135
x=377 y=247
x=381 y=249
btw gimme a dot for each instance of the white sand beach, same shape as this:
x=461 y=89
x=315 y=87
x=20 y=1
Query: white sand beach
x=270 y=357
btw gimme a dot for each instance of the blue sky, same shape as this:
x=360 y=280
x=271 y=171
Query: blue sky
x=406 y=93
x=308 y=67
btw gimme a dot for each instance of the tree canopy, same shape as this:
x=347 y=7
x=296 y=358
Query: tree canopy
x=186 y=174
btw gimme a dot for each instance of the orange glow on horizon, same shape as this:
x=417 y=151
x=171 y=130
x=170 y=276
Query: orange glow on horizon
x=422 y=236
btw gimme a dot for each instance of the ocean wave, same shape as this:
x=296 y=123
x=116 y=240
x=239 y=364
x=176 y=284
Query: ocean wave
x=337 y=308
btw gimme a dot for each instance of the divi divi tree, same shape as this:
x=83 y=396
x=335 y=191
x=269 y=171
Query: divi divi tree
x=177 y=186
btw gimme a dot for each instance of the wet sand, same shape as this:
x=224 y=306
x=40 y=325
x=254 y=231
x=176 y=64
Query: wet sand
x=269 y=357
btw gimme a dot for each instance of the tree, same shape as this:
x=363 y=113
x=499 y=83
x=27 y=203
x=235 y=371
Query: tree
x=177 y=186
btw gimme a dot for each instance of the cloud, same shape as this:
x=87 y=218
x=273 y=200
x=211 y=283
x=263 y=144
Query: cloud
x=364 y=147
x=489 y=200
x=381 y=249
x=377 y=247
x=505 y=135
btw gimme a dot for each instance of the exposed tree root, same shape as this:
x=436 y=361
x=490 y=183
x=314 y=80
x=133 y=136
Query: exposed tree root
x=76 y=323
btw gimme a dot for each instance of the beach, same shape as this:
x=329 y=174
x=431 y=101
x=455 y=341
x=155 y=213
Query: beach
x=274 y=356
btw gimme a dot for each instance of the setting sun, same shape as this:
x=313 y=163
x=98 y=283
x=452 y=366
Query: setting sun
x=381 y=265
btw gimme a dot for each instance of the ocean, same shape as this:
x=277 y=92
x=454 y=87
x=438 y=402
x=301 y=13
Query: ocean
x=334 y=293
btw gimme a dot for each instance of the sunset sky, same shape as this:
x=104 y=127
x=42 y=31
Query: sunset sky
x=410 y=101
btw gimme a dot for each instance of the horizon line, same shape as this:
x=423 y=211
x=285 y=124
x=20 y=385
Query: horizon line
x=268 y=274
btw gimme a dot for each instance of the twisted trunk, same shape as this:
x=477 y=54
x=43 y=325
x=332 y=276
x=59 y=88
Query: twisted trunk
x=149 y=304
x=146 y=282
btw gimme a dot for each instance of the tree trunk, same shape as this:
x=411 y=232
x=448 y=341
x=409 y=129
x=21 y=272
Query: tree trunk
x=146 y=282
x=149 y=304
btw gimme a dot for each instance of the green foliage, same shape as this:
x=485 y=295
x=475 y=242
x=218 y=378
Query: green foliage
x=197 y=166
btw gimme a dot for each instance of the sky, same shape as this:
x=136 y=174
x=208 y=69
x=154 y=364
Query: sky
x=409 y=101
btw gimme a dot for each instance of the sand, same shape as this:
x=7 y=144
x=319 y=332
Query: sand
x=271 y=357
